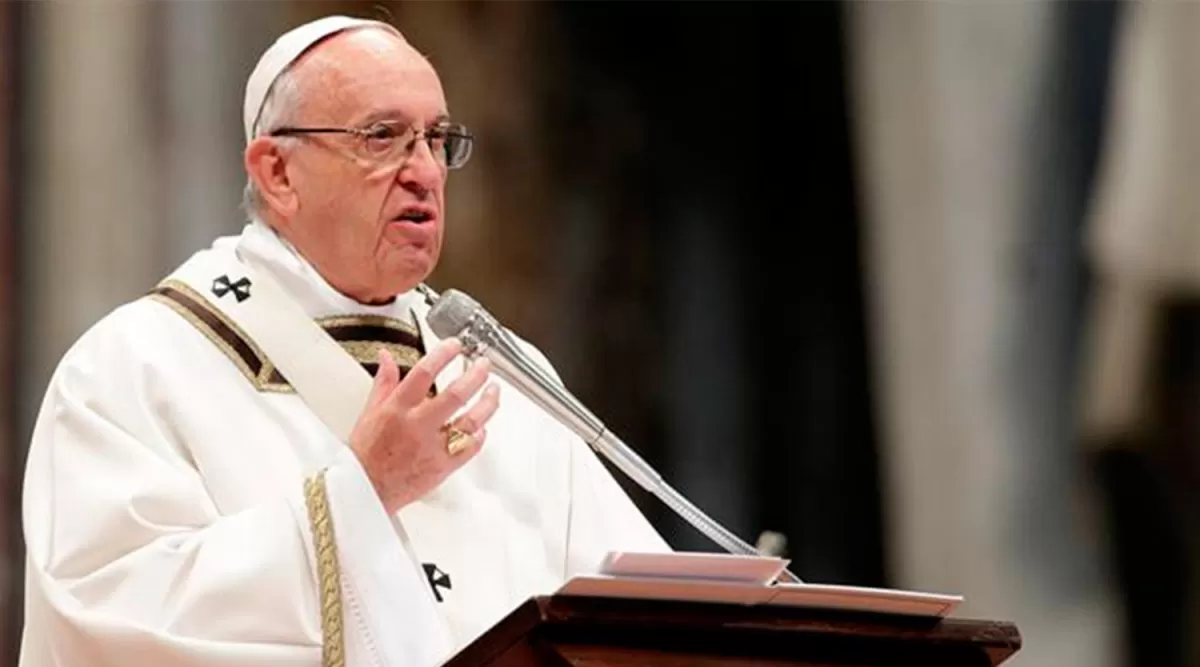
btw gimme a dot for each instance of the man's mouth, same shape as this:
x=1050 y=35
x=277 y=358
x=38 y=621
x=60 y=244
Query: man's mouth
x=415 y=215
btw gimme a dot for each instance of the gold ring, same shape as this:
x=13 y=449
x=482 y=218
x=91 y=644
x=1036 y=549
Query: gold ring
x=456 y=440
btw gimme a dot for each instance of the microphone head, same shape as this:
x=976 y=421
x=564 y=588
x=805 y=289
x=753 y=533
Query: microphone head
x=450 y=315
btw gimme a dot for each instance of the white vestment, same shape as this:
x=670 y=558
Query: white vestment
x=176 y=488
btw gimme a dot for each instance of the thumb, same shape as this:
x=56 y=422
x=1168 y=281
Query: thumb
x=386 y=378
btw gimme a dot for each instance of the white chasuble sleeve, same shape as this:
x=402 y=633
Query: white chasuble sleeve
x=601 y=516
x=130 y=562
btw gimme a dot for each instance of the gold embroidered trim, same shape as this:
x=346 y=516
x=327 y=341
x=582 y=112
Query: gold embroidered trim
x=367 y=352
x=262 y=379
x=274 y=382
x=329 y=573
x=369 y=321
x=251 y=360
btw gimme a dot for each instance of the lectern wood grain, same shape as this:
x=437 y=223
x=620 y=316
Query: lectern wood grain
x=564 y=631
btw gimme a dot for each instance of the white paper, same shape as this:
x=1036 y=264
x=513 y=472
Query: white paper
x=686 y=565
x=667 y=589
x=883 y=600
x=730 y=579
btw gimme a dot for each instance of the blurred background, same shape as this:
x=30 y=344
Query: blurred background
x=915 y=285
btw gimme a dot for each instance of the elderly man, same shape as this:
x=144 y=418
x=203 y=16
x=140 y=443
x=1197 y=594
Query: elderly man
x=216 y=479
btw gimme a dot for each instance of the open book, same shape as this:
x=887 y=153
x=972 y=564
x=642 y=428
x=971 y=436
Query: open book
x=749 y=580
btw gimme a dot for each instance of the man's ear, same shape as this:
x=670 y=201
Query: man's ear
x=266 y=165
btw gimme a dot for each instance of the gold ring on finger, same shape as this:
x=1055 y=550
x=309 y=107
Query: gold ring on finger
x=456 y=439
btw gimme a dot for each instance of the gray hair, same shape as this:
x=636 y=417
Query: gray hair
x=279 y=109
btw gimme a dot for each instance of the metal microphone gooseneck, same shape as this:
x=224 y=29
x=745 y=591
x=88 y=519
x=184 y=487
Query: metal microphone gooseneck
x=481 y=334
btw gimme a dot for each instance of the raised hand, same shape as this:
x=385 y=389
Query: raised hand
x=406 y=440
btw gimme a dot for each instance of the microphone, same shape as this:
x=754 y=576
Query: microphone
x=456 y=314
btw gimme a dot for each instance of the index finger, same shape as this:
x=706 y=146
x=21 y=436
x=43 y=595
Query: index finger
x=417 y=382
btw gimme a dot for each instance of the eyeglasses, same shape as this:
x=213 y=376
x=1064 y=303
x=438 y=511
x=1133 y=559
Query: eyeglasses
x=391 y=142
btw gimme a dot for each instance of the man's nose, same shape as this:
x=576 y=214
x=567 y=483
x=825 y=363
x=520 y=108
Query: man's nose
x=421 y=170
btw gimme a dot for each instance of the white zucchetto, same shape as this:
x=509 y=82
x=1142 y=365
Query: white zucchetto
x=290 y=46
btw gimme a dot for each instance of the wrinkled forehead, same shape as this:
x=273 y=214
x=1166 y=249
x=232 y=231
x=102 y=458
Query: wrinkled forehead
x=365 y=75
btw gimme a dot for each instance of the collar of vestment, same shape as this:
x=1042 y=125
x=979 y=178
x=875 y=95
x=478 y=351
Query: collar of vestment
x=361 y=329
x=265 y=249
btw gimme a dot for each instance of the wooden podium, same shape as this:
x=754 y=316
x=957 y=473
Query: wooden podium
x=580 y=631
